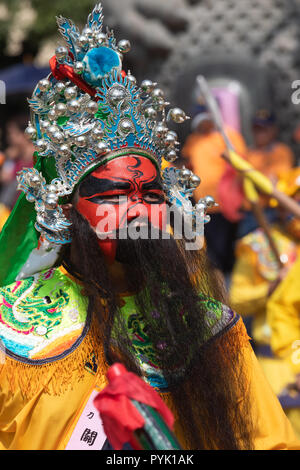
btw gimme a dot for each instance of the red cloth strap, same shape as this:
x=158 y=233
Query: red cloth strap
x=61 y=71
x=119 y=416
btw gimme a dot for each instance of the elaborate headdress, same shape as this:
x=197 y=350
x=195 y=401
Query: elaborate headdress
x=86 y=112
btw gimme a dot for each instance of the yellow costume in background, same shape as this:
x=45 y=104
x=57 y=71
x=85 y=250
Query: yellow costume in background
x=4 y=214
x=255 y=269
x=283 y=316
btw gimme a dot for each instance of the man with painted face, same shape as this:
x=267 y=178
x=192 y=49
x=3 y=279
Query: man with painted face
x=79 y=291
x=118 y=193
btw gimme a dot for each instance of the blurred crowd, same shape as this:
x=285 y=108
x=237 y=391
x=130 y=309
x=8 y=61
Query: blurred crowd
x=255 y=247
x=17 y=154
x=202 y=152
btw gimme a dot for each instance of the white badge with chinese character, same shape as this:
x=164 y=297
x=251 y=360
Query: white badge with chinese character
x=88 y=433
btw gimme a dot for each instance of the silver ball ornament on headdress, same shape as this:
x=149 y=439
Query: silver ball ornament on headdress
x=61 y=53
x=159 y=104
x=61 y=109
x=209 y=201
x=30 y=131
x=174 y=134
x=52 y=115
x=81 y=141
x=92 y=42
x=60 y=87
x=35 y=181
x=150 y=113
x=73 y=106
x=44 y=125
x=58 y=137
x=194 y=181
x=64 y=150
x=57 y=111
x=170 y=156
x=97 y=133
x=124 y=46
x=51 y=130
x=79 y=68
x=51 y=201
x=148 y=86
x=101 y=38
x=41 y=145
x=83 y=41
x=170 y=140
x=200 y=206
x=92 y=107
x=184 y=175
x=157 y=93
x=126 y=126
x=70 y=93
x=160 y=130
x=52 y=189
x=87 y=31
x=101 y=148
x=116 y=95
x=44 y=85
x=178 y=115
x=131 y=78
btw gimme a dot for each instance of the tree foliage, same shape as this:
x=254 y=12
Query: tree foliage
x=44 y=26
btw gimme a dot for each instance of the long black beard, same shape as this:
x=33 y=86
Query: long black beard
x=158 y=274
x=167 y=280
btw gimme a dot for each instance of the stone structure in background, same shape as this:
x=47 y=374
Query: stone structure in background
x=193 y=35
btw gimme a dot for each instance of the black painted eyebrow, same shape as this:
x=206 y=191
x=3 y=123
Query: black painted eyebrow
x=155 y=184
x=91 y=186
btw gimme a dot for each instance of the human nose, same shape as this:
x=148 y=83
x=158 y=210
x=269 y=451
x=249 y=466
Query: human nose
x=136 y=208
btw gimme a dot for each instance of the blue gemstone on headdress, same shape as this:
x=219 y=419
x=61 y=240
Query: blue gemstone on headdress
x=99 y=62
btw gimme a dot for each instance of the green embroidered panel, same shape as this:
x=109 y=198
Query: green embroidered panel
x=42 y=315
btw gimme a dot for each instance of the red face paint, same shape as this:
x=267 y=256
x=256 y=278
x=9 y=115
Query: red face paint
x=119 y=192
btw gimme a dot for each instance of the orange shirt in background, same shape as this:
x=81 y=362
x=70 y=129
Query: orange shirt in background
x=203 y=153
x=271 y=162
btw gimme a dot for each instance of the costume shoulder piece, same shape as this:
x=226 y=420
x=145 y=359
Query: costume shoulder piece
x=267 y=264
x=42 y=317
x=219 y=318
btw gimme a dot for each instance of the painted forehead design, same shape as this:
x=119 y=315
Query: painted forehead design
x=105 y=180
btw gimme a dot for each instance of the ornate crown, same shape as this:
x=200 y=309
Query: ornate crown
x=87 y=108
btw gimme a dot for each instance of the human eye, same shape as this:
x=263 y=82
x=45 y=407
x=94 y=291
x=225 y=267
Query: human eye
x=108 y=198
x=154 y=197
